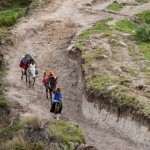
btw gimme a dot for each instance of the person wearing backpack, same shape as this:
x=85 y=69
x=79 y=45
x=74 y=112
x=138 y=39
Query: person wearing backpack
x=56 y=107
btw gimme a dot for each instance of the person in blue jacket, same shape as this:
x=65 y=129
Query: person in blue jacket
x=56 y=103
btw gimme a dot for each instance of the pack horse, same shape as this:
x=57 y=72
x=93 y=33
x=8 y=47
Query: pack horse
x=28 y=69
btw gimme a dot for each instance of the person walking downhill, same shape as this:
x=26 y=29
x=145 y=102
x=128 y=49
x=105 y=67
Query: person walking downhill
x=56 y=106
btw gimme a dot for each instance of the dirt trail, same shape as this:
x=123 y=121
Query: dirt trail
x=46 y=36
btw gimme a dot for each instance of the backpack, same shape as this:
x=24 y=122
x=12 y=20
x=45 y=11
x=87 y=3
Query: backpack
x=46 y=76
x=48 y=72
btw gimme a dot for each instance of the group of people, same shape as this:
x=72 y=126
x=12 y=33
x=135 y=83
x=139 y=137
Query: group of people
x=27 y=65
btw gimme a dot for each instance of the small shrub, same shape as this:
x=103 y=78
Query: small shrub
x=143 y=33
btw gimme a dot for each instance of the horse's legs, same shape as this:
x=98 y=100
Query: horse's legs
x=33 y=81
x=21 y=74
x=26 y=75
x=46 y=92
x=50 y=92
x=29 y=81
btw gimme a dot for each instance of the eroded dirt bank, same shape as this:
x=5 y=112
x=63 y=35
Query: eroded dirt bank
x=125 y=126
x=47 y=36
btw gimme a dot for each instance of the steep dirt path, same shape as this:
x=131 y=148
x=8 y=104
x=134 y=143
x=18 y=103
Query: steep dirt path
x=47 y=36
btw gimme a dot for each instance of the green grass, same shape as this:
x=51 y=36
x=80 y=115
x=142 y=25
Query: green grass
x=115 y=6
x=126 y=26
x=95 y=55
x=145 y=48
x=11 y=3
x=145 y=16
x=98 y=27
x=100 y=82
x=10 y=11
x=67 y=132
x=8 y=17
x=128 y=70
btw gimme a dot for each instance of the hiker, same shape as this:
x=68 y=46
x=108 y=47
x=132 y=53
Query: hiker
x=50 y=81
x=56 y=107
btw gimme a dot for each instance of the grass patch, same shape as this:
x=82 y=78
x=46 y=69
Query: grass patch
x=7 y=133
x=146 y=110
x=100 y=82
x=115 y=6
x=98 y=27
x=145 y=16
x=126 y=26
x=128 y=70
x=118 y=96
x=4 y=104
x=18 y=143
x=125 y=101
x=96 y=55
x=145 y=69
x=6 y=4
x=145 y=48
x=9 y=17
x=67 y=131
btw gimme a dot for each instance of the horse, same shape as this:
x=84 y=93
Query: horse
x=50 y=85
x=31 y=74
x=23 y=73
x=53 y=82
